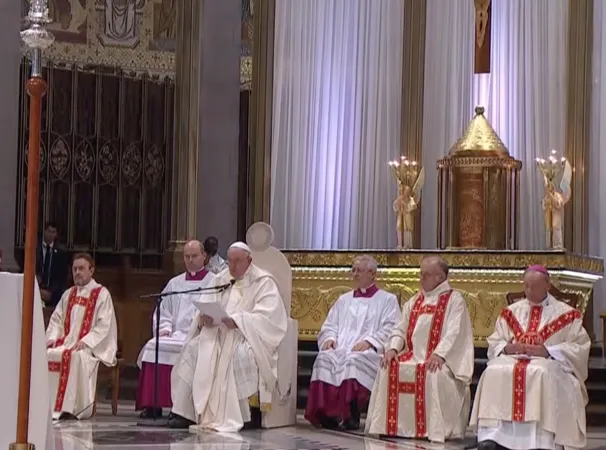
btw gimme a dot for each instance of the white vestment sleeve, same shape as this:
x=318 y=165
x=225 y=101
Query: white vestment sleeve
x=55 y=324
x=456 y=343
x=397 y=339
x=103 y=336
x=574 y=352
x=330 y=327
x=499 y=338
x=166 y=311
x=390 y=316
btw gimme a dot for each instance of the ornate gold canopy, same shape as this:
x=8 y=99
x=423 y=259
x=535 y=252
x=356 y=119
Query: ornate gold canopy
x=479 y=139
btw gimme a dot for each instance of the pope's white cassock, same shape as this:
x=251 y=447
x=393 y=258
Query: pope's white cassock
x=176 y=315
x=220 y=368
x=361 y=315
x=407 y=400
x=526 y=403
x=83 y=314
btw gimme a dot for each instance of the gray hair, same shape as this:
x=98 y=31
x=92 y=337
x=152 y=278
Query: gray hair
x=438 y=261
x=368 y=261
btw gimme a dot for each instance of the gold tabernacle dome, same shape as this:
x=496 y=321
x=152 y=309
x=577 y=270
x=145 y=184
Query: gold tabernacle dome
x=478 y=191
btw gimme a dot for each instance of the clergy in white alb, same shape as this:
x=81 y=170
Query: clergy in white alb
x=81 y=333
x=422 y=390
x=351 y=344
x=213 y=262
x=225 y=365
x=532 y=394
x=177 y=313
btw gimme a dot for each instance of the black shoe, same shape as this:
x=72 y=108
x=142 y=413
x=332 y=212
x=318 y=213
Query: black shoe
x=151 y=413
x=351 y=424
x=488 y=445
x=67 y=416
x=255 y=420
x=179 y=422
x=330 y=423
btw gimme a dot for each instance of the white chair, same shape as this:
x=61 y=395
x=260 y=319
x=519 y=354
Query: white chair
x=284 y=400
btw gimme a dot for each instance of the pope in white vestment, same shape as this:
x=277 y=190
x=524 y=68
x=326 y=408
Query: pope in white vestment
x=177 y=313
x=532 y=394
x=351 y=342
x=81 y=333
x=423 y=389
x=224 y=365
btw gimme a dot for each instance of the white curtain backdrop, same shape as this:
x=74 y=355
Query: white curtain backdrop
x=524 y=95
x=597 y=166
x=336 y=122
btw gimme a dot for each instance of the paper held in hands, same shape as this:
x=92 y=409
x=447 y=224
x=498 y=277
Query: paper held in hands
x=211 y=309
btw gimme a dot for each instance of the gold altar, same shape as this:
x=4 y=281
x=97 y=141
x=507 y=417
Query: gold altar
x=484 y=277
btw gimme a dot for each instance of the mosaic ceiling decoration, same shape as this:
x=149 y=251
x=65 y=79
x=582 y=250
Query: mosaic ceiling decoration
x=137 y=35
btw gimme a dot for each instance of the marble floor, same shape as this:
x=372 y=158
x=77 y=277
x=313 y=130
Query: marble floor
x=122 y=432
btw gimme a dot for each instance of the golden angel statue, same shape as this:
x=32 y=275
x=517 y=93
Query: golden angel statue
x=404 y=206
x=554 y=200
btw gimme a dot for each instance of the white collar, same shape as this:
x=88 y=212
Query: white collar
x=439 y=289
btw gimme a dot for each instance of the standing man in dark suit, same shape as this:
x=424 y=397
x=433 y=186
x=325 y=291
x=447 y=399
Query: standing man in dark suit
x=51 y=266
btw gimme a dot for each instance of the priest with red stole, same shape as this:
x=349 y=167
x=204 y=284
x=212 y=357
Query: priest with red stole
x=351 y=344
x=532 y=395
x=423 y=389
x=176 y=315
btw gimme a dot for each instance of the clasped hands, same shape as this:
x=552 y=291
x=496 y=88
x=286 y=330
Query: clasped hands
x=207 y=321
x=516 y=348
x=434 y=363
x=50 y=343
x=361 y=346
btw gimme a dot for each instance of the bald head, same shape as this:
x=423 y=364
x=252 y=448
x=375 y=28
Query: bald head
x=536 y=286
x=434 y=271
x=194 y=256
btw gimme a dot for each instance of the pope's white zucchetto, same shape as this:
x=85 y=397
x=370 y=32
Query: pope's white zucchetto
x=241 y=246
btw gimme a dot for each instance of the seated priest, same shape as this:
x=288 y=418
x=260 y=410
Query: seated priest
x=423 y=389
x=176 y=315
x=226 y=364
x=532 y=394
x=213 y=261
x=351 y=344
x=82 y=331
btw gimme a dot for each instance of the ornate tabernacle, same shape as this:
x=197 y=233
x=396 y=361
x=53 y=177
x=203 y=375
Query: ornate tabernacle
x=478 y=191
x=484 y=277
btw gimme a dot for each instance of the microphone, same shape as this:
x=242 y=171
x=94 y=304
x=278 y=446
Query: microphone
x=209 y=289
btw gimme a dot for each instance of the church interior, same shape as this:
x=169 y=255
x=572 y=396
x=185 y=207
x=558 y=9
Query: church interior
x=398 y=129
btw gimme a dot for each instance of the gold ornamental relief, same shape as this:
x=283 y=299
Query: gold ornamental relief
x=471 y=201
x=482 y=17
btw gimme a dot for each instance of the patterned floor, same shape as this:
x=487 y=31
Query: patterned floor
x=121 y=432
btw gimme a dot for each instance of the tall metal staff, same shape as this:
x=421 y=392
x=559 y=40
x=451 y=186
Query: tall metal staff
x=36 y=38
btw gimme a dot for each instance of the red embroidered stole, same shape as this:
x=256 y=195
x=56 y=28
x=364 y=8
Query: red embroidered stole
x=532 y=336
x=416 y=388
x=63 y=367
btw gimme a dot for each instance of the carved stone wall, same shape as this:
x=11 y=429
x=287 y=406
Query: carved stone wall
x=137 y=35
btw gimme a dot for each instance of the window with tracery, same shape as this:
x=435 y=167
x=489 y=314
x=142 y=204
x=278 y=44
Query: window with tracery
x=106 y=148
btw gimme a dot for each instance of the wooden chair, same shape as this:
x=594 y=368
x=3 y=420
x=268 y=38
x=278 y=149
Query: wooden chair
x=570 y=299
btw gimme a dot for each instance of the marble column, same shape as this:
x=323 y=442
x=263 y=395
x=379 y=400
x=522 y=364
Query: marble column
x=10 y=55
x=259 y=186
x=207 y=96
x=413 y=83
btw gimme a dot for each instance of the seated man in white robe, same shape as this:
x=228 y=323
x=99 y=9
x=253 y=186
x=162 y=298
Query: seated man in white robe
x=81 y=333
x=176 y=316
x=351 y=344
x=532 y=394
x=225 y=365
x=423 y=389
x=213 y=262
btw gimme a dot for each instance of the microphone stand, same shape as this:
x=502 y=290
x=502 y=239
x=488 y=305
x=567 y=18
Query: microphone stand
x=159 y=298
